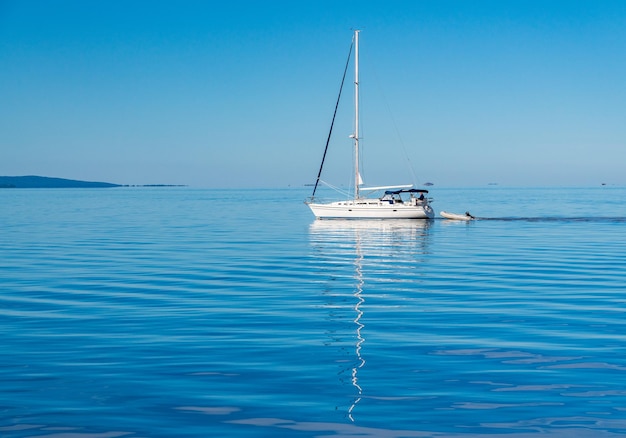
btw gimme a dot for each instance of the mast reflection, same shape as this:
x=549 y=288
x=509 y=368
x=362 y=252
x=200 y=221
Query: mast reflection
x=347 y=246
x=358 y=291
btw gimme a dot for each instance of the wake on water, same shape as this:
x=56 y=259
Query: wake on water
x=597 y=219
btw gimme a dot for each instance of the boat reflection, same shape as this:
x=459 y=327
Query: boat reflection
x=352 y=251
x=395 y=238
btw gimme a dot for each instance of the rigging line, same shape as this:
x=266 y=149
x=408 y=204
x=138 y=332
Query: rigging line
x=335 y=188
x=406 y=154
x=345 y=71
x=397 y=130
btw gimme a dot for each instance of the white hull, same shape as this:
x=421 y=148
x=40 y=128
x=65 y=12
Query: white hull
x=371 y=209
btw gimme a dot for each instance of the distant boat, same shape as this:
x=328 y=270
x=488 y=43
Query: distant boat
x=392 y=202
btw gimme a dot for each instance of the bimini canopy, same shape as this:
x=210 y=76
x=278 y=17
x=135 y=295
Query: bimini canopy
x=397 y=192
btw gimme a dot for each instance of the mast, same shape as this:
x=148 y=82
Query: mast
x=357 y=176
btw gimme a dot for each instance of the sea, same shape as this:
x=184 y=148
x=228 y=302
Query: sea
x=187 y=312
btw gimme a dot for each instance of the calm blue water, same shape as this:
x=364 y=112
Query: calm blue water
x=193 y=313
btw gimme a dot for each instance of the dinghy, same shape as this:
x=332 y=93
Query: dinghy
x=457 y=217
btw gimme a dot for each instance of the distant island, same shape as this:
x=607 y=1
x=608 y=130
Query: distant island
x=44 y=182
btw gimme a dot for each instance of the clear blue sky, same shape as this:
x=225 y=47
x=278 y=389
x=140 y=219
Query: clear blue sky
x=240 y=93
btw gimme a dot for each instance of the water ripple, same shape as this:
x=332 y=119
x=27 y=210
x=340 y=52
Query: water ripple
x=163 y=315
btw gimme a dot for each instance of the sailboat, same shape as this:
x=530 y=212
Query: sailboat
x=392 y=202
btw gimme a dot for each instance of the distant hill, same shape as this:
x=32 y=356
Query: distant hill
x=43 y=182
